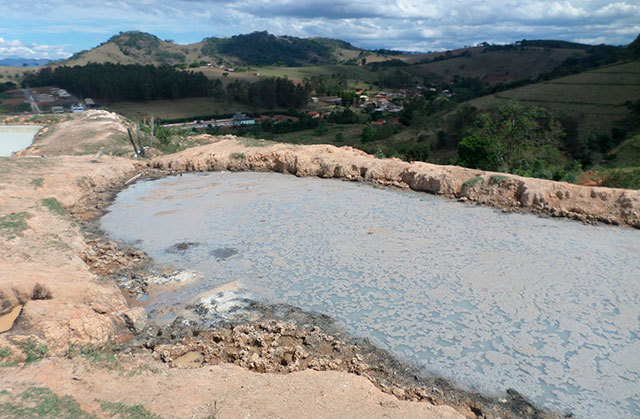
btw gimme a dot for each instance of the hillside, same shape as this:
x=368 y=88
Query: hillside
x=492 y=66
x=137 y=48
x=258 y=48
x=595 y=99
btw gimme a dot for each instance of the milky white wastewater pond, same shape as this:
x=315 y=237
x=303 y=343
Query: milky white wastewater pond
x=16 y=137
x=548 y=307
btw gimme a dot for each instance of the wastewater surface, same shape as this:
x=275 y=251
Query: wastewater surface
x=548 y=307
x=16 y=137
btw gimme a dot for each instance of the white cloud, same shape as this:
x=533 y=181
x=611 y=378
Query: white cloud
x=15 y=48
x=401 y=24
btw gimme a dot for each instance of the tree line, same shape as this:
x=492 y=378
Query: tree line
x=269 y=93
x=117 y=82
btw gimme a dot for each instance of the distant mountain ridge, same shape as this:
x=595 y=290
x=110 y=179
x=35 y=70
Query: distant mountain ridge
x=257 y=48
x=20 y=62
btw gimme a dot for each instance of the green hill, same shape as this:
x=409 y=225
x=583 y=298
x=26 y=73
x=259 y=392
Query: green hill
x=257 y=48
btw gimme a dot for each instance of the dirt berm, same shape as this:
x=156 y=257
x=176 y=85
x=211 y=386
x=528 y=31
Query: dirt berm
x=509 y=192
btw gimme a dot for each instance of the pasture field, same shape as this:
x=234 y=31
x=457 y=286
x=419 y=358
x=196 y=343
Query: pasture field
x=335 y=134
x=595 y=98
x=15 y=74
x=358 y=77
x=516 y=64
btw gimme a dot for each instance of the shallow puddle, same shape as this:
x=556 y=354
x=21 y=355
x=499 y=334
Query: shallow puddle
x=16 y=137
x=7 y=320
x=491 y=300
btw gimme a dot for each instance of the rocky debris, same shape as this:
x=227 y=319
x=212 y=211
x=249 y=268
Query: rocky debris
x=106 y=257
x=283 y=347
x=514 y=193
x=135 y=319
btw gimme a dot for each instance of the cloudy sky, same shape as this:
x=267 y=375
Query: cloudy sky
x=57 y=28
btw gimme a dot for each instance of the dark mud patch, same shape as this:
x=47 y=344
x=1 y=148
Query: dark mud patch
x=181 y=247
x=223 y=253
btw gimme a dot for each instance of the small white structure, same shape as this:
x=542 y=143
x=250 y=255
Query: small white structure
x=89 y=102
x=57 y=109
x=78 y=108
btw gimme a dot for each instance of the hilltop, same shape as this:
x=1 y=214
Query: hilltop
x=257 y=48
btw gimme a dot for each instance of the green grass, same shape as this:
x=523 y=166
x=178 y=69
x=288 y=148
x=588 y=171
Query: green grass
x=473 y=182
x=40 y=402
x=626 y=154
x=121 y=410
x=340 y=135
x=101 y=357
x=37 y=182
x=53 y=205
x=355 y=74
x=14 y=224
x=238 y=156
x=626 y=178
x=33 y=351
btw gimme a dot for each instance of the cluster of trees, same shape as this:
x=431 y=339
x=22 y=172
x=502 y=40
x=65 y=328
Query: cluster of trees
x=7 y=86
x=117 y=82
x=518 y=139
x=283 y=127
x=269 y=93
x=262 y=48
x=327 y=86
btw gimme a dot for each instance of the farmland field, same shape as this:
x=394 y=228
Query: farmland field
x=358 y=76
x=597 y=98
x=516 y=64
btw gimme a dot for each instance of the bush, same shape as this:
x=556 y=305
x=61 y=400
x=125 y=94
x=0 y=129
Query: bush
x=478 y=153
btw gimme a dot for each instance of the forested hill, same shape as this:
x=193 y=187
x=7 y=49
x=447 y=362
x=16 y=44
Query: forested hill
x=257 y=48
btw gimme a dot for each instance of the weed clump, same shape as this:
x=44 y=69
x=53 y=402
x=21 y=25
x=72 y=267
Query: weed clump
x=53 y=205
x=39 y=402
x=14 y=224
x=34 y=351
x=473 y=182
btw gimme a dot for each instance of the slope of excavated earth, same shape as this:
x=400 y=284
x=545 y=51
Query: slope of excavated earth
x=58 y=270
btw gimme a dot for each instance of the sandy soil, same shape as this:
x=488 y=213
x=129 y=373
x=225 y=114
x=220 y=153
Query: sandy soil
x=59 y=272
x=226 y=390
